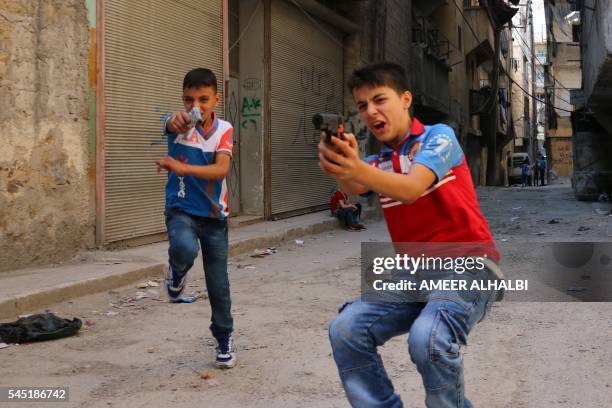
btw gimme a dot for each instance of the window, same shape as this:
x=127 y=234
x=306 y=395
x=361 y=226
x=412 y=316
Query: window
x=470 y=3
x=459 y=38
x=575 y=33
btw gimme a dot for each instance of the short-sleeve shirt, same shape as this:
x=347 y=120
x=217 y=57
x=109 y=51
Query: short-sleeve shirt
x=198 y=146
x=335 y=200
x=448 y=211
x=525 y=169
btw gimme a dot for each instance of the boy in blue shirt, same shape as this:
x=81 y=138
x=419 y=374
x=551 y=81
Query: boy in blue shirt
x=525 y=173
x=198 y=161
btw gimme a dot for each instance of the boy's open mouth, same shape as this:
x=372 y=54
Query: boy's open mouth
x=379 y=125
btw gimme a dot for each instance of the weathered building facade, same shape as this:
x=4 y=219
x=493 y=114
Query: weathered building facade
x=90 y=103
x=528 y=92
x=563 y=75
x=47 y=172
x=592 y=121
x=521 y=69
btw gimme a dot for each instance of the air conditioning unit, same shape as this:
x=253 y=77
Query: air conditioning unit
x=573 y=18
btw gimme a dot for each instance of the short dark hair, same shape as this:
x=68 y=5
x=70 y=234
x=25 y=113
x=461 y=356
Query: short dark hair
x=381 y=73
x=200 y=77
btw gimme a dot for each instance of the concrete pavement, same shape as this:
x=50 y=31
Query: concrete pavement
x=33 y=289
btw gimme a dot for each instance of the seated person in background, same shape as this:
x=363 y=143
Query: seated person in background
x=345 y=211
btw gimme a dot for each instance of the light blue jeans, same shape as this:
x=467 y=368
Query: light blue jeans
x=438 y=328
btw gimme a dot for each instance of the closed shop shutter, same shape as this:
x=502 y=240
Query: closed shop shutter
x=306 y=78
x=149 y=47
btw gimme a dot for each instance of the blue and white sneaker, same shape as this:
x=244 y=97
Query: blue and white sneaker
x=174 y=289
x=226 y=356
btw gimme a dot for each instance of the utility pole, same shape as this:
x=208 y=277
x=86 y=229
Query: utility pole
x=533 y=145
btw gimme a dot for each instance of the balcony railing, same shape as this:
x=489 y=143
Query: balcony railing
x=435 y=42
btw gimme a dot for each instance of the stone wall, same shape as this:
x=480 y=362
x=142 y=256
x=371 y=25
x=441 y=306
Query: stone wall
x=46 y=175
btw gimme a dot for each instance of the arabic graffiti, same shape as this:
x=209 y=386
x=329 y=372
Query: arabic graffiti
x=250 y=112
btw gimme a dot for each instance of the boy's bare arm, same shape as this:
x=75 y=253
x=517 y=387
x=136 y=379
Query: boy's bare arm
x=406 y=188
x=351 y=187
x=216 y=171
x=343 y=163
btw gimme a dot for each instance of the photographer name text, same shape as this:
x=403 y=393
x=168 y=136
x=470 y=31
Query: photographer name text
x=451 y=285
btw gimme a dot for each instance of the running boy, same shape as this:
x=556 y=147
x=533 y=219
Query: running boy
x=199 y=154
x=427 y=195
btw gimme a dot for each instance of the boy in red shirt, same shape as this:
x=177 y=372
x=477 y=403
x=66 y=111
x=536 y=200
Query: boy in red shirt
x=348 y=213
x=427 y=196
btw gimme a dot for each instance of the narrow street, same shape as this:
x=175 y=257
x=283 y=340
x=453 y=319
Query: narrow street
x=149 y=353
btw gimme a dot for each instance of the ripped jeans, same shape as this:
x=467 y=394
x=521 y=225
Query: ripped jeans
x=438 y=328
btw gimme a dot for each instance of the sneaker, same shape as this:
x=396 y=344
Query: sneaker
x=174 y=290
x=226 y=356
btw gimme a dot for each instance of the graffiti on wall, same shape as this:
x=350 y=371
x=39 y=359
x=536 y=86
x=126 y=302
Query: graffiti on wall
x=315 y=83
x=232 y=111
x=251 y=84
x=562 y=152
x=561 y=157
x=250 y=112
x=356 y=126
x=162 y=140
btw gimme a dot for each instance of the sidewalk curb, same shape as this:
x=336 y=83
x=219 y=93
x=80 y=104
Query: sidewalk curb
x=274 y=239
x=40 y=299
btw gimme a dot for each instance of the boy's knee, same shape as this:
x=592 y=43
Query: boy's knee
x=184 y=251
x=419 y=344
x=337 y=332
x=342 y=330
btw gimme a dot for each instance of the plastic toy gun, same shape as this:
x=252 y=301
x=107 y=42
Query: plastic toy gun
x=195 y=117
x=330 y=123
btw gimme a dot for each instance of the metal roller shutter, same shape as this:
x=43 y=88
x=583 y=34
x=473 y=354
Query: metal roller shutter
x=149 y=47
x=306 y=78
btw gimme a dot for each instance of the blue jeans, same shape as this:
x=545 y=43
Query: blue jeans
x=184 y=231
x=438 y=328
x=349 y=216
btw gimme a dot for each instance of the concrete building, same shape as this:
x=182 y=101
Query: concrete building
x=87 y=83
x=592 y=121
x=521 y=68
x=528 y=93
x=541 y=61
x=47 y=166
x=562 y=76
x=84 y=84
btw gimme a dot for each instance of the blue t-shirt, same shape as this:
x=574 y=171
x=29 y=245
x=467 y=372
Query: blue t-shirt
x=198 y=146
x=525 y=169
x=436 y=148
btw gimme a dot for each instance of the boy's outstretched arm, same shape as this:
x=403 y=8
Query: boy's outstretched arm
x=344 y=164
x=216 y=171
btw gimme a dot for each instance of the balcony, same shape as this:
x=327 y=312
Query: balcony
x=484 y=48
x=478 y=100
x=566 y=55
x=597 y=57
x=429 y=67
x=426 y=7
x=429 y=79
